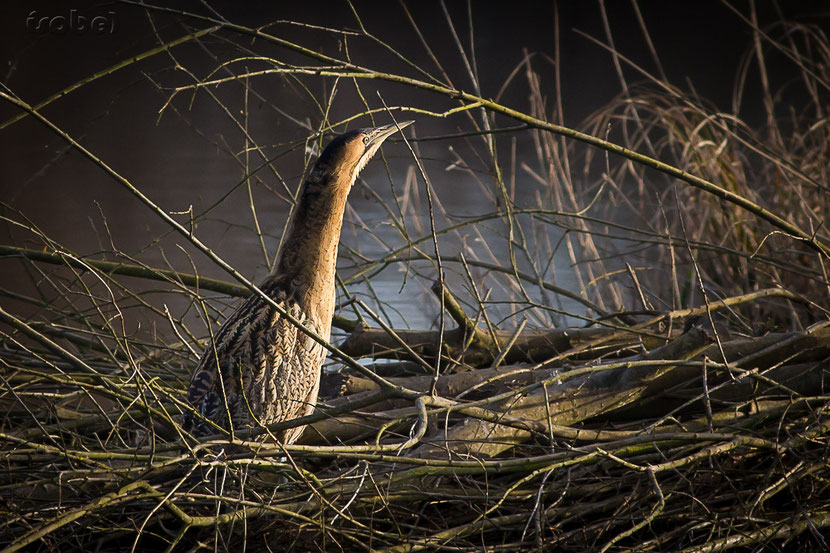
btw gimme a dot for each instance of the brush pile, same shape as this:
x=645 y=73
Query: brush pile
x=649 y=435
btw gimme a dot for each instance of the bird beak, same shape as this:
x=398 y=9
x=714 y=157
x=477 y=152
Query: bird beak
x=379 y=134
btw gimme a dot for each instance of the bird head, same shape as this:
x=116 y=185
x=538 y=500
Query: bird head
x=348 y=153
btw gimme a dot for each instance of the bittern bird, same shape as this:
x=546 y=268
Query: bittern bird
x=260 y=368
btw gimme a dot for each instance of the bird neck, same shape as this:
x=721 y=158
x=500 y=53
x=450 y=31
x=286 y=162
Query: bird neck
x=308 y=257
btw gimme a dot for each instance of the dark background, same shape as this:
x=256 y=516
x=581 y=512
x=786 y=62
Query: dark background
x=181 y=159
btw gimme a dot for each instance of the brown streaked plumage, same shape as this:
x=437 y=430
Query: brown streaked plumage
x=259 y=368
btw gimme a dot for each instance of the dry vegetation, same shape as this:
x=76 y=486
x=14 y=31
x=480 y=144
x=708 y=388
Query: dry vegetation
x=685 y=409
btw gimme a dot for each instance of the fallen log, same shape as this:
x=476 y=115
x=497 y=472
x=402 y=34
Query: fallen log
x=470 y=346
x=603 y=391
x=530 y=346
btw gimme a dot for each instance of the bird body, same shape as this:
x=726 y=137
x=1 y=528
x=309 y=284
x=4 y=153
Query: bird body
x=259 y=367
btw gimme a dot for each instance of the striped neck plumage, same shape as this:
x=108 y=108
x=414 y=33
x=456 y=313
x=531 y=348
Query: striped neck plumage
x=308 y=258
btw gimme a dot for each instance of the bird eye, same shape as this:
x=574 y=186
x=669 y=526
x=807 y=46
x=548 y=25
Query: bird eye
x=366 y=139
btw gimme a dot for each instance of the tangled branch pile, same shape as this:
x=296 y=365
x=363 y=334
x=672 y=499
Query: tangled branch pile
x=703 y=443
